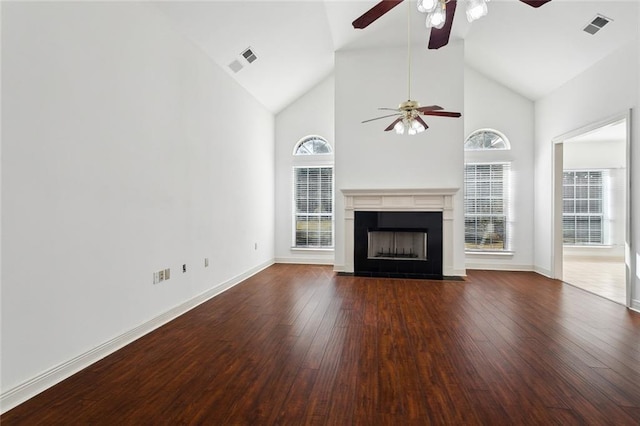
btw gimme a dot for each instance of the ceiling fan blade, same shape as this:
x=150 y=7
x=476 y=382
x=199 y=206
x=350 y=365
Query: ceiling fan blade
x=389 y=109
x=535 y=3
x=391 y=126
x=378 y=118
x=374 y=13
x=421 y=121
x=429 y=108
x=443 y=114
x=440 y=37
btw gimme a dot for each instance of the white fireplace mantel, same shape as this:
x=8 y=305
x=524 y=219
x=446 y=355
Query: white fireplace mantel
x=414 y=199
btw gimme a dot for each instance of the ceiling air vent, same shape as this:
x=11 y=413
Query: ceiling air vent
x=235 y=66
x=249 y=55
x=596 y=24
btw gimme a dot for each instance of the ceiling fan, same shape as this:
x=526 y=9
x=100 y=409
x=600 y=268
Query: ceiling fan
x=440 y=15
x=408 y=113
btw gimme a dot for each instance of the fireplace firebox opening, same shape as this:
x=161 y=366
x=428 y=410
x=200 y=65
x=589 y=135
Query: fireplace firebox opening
x=397 y=245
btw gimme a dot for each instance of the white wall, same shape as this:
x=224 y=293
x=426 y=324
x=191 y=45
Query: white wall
x=123 y=154
x=489 y=104
x=607 y=89
x=368 y=157
x=634 y=254
x=311 y=114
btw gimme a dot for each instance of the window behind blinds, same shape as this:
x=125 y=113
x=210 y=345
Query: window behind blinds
x=313 y=206
x=486 y=206
x=582 y=207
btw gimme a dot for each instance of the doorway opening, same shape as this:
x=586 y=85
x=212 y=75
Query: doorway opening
x=591 y=187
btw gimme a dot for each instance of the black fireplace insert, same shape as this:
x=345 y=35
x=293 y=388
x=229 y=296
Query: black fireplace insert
x=398 y=244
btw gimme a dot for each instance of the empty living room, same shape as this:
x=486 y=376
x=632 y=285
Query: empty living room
x=320 y=212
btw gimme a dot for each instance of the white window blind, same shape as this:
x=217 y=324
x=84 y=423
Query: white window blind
x=486 y=206
x=313 y=206
x=583 y=207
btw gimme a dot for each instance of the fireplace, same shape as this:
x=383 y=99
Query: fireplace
x=398 y=244
x=436 y=236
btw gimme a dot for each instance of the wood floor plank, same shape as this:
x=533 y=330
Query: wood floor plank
x=296 y=344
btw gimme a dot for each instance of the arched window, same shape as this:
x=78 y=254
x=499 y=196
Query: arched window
x=312 y=145
x=313 y=220
x=486 y=193
x=484 y=139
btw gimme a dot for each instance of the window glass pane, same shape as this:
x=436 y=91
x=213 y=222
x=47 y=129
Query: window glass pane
x=485 y=206
x=313 y=146
x=582 y=207
x=313 y=188
x=484 y=140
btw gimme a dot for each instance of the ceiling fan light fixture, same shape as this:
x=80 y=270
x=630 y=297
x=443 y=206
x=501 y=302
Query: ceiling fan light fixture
x=426 y=6
x=476 y=9
x=399 y=127
x=417 y=127
x=437 y=17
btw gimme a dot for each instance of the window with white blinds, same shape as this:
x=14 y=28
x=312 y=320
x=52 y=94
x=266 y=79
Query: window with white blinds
x=486 y=206
x=313 y=206
x=313 y=220
x=583 y=207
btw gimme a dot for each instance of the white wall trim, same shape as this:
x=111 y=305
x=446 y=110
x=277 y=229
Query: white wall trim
x=304 y=260
x=635 y=305
x=557 y=142
x=500 y=267
x=19 y=394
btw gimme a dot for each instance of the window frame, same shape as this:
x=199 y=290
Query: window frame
x=487 y=130
x=602 y=215
x=309 y=161
x=506 y=208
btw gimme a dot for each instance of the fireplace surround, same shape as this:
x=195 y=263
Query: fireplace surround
x=401 y=200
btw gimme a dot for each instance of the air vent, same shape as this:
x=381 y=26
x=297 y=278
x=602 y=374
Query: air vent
x=235 y=66
x=249 y=55
x=596 y=24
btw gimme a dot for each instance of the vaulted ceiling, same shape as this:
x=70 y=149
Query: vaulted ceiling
x=532 y=51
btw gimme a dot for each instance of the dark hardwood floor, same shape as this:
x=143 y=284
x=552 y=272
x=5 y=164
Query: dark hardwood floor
x=298 y=345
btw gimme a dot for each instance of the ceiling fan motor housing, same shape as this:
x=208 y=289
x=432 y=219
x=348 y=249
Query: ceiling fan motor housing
x=409 y=105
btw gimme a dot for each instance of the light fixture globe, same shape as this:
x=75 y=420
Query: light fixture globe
x=476 y=9
x=437 y=17
x=425 y=6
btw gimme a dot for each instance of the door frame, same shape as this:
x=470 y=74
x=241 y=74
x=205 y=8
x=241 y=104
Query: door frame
x=556 y=223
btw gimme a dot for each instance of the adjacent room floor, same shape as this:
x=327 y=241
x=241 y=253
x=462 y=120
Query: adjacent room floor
x=603 y=277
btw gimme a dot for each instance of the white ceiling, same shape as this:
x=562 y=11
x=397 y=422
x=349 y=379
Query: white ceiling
x=532 y=51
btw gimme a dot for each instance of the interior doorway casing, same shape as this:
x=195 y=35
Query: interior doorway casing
x=557 y=171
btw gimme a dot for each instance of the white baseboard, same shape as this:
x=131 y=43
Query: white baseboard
x=19 y=394
x=547 y=273
x=500 y=267
x=635 y=305
x=305 y=260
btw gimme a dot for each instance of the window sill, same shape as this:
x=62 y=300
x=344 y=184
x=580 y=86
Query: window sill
x=490 y=253
x=314 y=249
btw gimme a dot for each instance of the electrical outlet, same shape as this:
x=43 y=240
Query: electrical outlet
x=184 y=267
x=161 y=275
x=167 y=273
x=206 y=262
